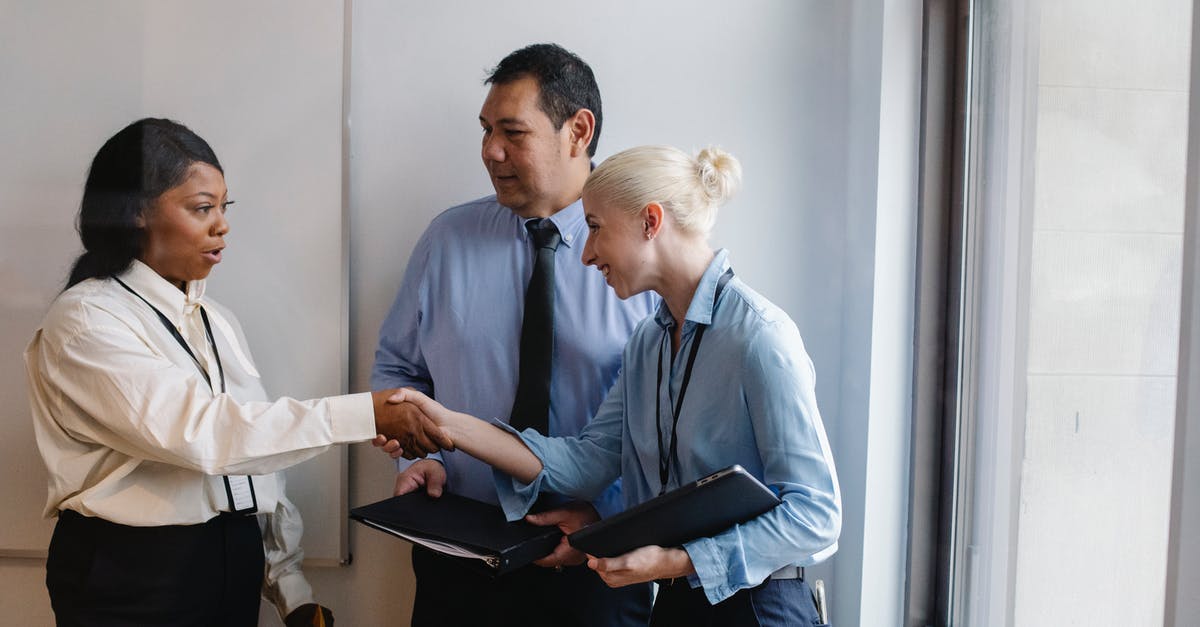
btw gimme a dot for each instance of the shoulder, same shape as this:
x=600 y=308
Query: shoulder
x=469 y=216
x=765 y=327
x=88 y=305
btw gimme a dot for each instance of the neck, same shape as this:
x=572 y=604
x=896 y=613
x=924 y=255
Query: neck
x=573 y=179
x=682 y=276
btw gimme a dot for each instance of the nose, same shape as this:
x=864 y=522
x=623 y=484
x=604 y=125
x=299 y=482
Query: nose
x=588 y=257
x=493 y=150
x=220 y=225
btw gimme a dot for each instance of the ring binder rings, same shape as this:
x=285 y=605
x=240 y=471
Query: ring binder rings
x=460 y=527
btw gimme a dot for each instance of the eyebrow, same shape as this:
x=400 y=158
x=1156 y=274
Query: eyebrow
x=504 y=121
x=209 y=194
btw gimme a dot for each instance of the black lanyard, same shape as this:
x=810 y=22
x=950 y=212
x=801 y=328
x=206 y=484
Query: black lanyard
x=664 y=458
x=252 y=506
x=182 y=342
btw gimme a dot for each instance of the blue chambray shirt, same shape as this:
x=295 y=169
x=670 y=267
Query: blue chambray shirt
x=751 y=401
x=454 y=330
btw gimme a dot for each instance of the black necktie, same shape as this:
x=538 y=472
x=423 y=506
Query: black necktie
x=532 y=405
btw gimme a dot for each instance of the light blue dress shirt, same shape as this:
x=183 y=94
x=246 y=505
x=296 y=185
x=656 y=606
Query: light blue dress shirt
x=455 y=328
x=751 y=401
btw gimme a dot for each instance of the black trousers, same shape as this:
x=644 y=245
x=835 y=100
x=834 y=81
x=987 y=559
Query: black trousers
x=101 y=573
x=773 y=603
x=450 y=594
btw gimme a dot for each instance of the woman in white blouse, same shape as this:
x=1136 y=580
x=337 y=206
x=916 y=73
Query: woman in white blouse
x=161 y=444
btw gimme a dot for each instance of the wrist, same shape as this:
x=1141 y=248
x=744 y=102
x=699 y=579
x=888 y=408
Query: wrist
x=680 y=563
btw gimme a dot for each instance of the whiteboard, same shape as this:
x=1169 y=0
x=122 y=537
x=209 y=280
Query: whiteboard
x=263 y=83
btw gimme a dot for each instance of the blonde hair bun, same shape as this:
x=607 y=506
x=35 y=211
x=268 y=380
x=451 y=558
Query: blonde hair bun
x=720 y=174
x=689 y=188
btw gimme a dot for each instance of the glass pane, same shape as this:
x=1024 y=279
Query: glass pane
x=1103 y=312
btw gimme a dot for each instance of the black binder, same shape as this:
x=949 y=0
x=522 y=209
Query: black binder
x=461 y=527
x=696 y=510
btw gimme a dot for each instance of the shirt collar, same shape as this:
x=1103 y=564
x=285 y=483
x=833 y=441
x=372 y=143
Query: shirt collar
x=163 y=295
x=566 y=220
x=700 y=311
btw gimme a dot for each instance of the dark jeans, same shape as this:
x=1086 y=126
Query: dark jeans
x=450 y=594
x=100 y=573
x=774 y=603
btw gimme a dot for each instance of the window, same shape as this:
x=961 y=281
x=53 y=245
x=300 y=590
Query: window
x=1063 y=214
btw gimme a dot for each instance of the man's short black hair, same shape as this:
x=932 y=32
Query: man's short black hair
x=566 y=83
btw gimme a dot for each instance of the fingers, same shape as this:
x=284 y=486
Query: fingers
x=435 y=479
x=439 y=437
x=429 y=474
x=414 y=433
x=546 y=518
x=391 y=447
x=563 y=555
x=570 y=518
x=406 y=482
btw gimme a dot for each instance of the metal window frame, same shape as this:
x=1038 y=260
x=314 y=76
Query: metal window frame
x=939 y=437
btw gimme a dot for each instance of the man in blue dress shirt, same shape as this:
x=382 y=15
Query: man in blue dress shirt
x=455 y=332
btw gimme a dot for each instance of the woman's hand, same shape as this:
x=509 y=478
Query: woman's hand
x=640 y=565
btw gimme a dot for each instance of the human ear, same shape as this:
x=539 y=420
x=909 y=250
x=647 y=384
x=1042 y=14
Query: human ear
x=652 y=220
x=582 y=127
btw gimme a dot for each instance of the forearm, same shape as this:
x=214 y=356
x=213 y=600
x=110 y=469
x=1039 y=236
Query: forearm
x=492 y=445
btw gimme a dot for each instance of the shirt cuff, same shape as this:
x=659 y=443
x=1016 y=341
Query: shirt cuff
x=352 y=417
x=710 y=571
x=293 y=591
x=516 y=497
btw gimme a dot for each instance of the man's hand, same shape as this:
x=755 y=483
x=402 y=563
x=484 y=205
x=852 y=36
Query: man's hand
x=309 y=615
x=427 y=473
x=643 y=564
x=569 y=518
x=415 y=434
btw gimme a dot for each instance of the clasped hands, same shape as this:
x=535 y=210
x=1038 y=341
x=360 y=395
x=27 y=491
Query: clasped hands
x=404 y=430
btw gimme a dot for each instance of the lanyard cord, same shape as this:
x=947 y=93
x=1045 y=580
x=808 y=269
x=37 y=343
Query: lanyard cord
x=664 y=458
x=182 y=342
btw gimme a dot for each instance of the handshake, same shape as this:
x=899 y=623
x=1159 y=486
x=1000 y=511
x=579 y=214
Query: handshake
x=409 y=428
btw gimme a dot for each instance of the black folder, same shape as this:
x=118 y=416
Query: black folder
x=696 y=510
x=461 y=527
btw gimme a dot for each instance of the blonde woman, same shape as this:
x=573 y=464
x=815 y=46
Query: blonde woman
x=718 y=376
